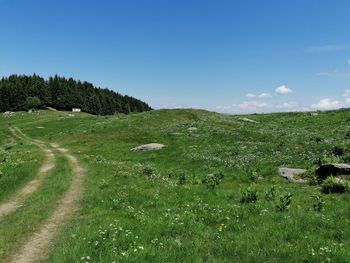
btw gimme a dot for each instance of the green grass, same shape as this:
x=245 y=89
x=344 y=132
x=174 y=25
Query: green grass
x=18 y=165
x=134 y=210
x=15 y=228
x=19 y=161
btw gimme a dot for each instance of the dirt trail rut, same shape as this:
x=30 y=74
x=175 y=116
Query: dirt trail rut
x=36 y=248
x=20 y=196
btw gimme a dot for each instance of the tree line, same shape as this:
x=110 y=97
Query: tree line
x=21 y=93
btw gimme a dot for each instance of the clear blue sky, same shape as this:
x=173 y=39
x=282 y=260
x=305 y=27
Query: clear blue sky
x=223 y=55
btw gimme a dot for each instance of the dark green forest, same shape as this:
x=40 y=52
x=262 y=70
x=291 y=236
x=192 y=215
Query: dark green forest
x=20 y=93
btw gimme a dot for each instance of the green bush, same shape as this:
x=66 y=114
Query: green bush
x=330 y=159
x=182 y=179
x=254 y=176
x=334 y=185
x=148 y=171
x=319 y=203
x=314 y=180
x=337 y=151
x=285 y=202
x=249 y=196
x=270 y=194
x=310 y=175
x=213 y=180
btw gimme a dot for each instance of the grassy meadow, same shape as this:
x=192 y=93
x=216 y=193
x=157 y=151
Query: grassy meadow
x=162 y=206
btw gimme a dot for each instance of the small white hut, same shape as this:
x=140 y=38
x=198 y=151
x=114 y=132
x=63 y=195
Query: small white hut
x=76 y=110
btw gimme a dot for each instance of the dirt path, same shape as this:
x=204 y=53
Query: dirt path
x=20 y=196
x=36 y=248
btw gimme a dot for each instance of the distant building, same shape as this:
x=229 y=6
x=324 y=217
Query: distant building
x=76 y=110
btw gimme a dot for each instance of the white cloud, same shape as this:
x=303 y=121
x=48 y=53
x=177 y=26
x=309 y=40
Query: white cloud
x=244 y=107
x=347 y=93
x=177 y=106
x=349 y=61
x=252 y=105
x=260 y=96
x=264 y=96
x=287 y=105
x=325 y=48
x=335 y=73
x=283 y=90
x=327 y=104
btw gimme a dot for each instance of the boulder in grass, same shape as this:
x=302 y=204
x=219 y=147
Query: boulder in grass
x=192 y=130
x=248 y=120
x=292 y=174
x=333 y=169
x=148 y=147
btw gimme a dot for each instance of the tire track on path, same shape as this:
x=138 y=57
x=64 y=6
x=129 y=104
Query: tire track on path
x=18 y=198
x=36 y=248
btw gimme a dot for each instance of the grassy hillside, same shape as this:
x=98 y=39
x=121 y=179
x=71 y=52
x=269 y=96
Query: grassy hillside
x=162 y=206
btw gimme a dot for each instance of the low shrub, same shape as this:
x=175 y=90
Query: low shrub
x=254 y=176
x=270 y=194
x=182 y=179
x=334 y=185
x=148 y=171
x=213 y=180
x=310 y=175
x=330 y=159
x=249 y=196
x=337 y=151
x=285 y=202
x=319 y=203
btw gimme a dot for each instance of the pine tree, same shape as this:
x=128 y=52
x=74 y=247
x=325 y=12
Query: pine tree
x=17 y=93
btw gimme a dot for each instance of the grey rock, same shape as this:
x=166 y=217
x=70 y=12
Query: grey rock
x=148 y=147
x=333 y=169
x=192 y=130
x=290 y=173
x=248 y=120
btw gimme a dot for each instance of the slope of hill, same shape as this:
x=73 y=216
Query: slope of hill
x=211 y=194
x=18 y=93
